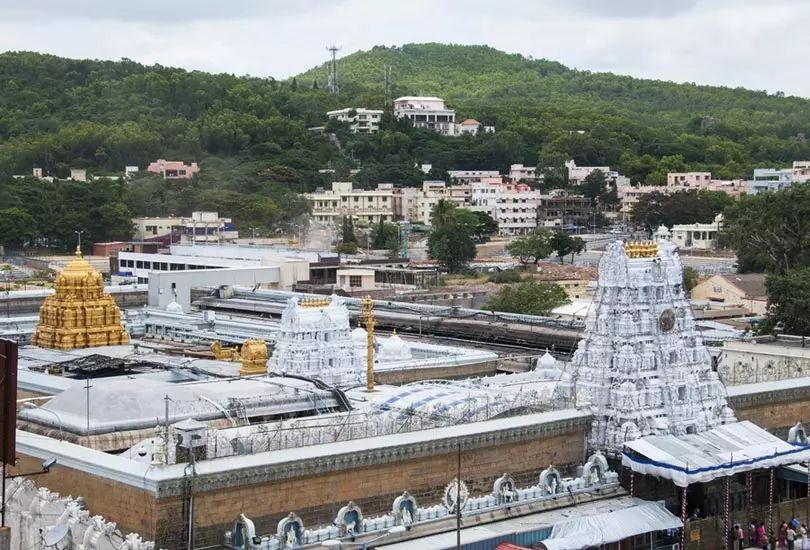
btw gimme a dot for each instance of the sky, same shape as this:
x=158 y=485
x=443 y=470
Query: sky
x=759 y=44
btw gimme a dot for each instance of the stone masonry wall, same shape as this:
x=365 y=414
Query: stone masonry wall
x=318 y=498
x=406 y=376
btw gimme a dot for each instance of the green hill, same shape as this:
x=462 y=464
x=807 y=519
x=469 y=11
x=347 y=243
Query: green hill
x=253 y=140
x=473 y=76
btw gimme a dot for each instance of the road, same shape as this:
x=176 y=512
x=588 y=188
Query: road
x=592 y=257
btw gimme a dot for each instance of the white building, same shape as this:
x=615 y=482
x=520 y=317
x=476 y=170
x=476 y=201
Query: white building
x=342 y=200
x=427 y=112
x=513 y=206
x=577 y=174
x=517 y=209
x=200 y=227
x=701 y=236
x=518 y=172
x=361 y=121
x=769 y=179
x=294 y=263
x=432 y=192
x=472 y=127
x=801 y=171
x=473 y=176
x=407 y=202
x=688 y=179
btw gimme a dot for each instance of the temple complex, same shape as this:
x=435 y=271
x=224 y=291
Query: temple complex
x=79 y=314
x=315 y=340
x=642 y=368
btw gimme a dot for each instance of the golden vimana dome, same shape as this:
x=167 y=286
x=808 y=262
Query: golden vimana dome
x=79 y=314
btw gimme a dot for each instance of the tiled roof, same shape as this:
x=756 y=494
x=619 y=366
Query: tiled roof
x=752 y=284
x=471 y=122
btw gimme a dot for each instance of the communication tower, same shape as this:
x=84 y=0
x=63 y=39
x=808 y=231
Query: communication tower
x=332 y=79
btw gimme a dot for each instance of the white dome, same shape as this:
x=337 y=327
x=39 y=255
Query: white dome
x=394 y=349
x=174 y=307
x=359 y=337
x=546 y=361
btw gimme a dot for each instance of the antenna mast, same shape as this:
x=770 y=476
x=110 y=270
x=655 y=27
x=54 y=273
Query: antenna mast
x=332 y=79
x=389 y=82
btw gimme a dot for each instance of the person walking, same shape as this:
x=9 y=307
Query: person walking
x=804 y=543
x=781 y=541
x=739 y=536
x=790 y=537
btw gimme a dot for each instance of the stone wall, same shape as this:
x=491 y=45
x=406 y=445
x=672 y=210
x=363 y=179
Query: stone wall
x=775 y=410
x=317 y=498
x=406 y=376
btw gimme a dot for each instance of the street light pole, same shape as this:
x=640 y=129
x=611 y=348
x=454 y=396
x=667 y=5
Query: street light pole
x=79 y=233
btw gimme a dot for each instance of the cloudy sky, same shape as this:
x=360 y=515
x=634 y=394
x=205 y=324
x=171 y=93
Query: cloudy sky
x=759 y=44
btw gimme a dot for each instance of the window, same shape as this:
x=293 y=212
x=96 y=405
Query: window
x=182 y=172
x=355 y=281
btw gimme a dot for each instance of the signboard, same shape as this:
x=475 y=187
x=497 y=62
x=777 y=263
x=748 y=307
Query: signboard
x=8 y=400
x=694 y=536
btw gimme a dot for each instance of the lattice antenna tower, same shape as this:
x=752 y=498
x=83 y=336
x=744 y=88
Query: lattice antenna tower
x=389 y=85
x=332 y=79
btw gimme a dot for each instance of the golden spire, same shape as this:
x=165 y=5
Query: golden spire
x=79 y=314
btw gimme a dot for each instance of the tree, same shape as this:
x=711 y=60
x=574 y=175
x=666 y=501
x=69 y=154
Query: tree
x=348 y=239
x=594 y=185
x=682 y=207
x=385 y=236
x=564 y=244
x=532 y=248
x=788 y=302
x=528 y=297
x=452 y=246
x=16 y=227
x=442 y=215
x=690 y=279
x=769 y=230
x=480 y=224
x=486 y=227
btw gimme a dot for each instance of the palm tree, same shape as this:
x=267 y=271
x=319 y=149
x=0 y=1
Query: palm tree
x=442 y=214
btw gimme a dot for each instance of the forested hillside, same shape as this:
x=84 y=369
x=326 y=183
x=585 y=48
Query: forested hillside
x=251 y=134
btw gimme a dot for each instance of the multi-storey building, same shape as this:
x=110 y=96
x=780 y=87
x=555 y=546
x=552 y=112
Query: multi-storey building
x=363 y=205
x=474 y=176
x=200 y=227
x=518 y=173
x=173 y=169
x=577 y=174
x=801 y=171
x=769 y=179
x=427 y=112
x=688 y=179
x=407 y=202
x=516 y=209
x=432 y=192
x=361 y=121
x=562 y=211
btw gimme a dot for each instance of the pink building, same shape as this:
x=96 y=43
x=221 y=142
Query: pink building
x=173 y=169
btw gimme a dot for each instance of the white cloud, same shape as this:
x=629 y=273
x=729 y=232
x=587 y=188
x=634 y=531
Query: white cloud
x=754 y=43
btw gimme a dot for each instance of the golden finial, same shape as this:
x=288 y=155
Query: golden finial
x=78 y=252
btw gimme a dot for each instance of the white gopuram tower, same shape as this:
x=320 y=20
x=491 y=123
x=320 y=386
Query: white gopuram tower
x=315 y=340
x=642 y=367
